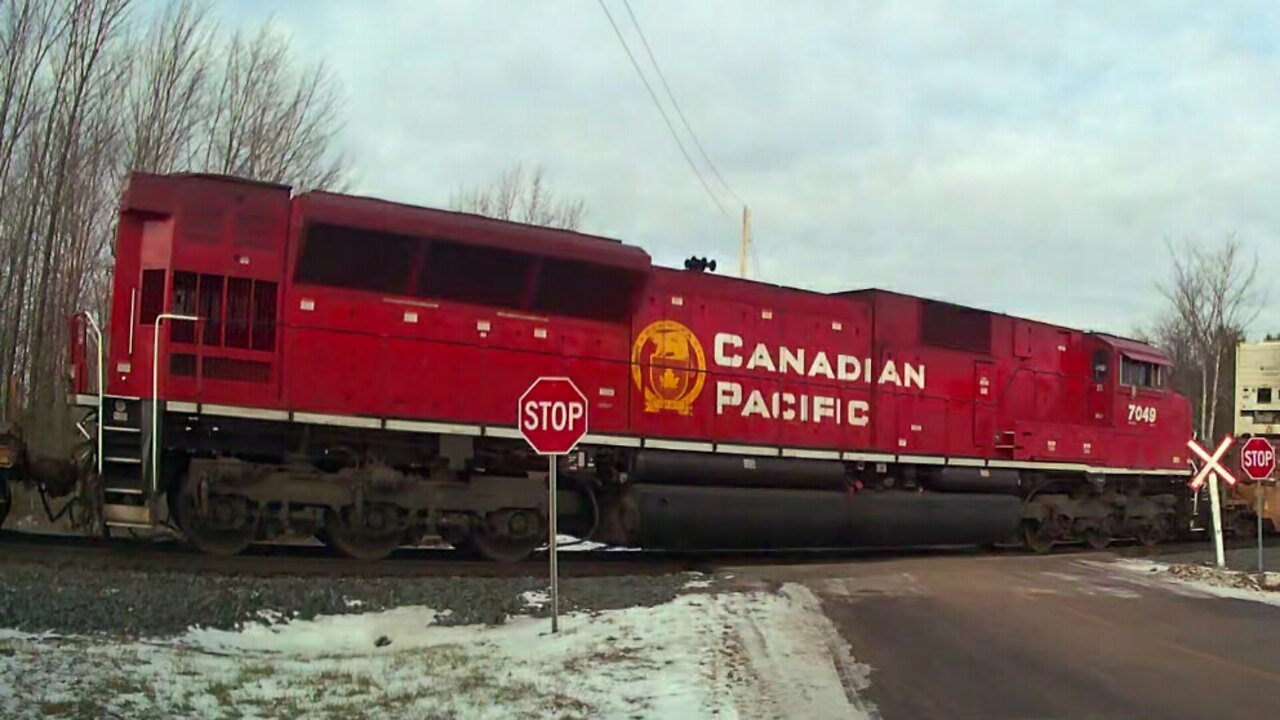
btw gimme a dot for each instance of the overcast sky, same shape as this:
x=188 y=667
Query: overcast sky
x=1027 y=157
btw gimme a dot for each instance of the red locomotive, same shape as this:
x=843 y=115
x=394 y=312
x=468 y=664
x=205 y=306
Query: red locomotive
x=349 y=367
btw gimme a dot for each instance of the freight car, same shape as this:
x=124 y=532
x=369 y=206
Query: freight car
x=1257 y=413
x=349 y=367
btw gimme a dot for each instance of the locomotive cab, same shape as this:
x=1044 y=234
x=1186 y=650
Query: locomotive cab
x=1133 y=377
x=1130 y=394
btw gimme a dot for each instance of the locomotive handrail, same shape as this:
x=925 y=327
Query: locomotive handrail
x=155 y=395
x=97 y=341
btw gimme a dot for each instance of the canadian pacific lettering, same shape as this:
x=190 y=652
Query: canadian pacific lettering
x=737 y=395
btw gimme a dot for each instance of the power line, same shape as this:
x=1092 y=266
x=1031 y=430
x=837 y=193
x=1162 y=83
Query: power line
x=658 y=104
x=670 y=95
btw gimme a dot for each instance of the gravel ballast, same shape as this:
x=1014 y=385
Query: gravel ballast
x=1240 y=556
x=75 y=599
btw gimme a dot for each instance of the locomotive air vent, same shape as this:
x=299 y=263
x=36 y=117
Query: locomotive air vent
x=952 y=326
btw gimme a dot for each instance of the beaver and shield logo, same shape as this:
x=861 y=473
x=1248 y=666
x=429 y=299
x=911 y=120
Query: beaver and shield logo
x=668 y=365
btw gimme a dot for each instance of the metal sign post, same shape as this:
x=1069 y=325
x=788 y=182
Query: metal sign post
x=552 y=462
x=1258 y=460
x=1262 y=566
x=1213 y=469
x=1215 y=506
x=552 y=417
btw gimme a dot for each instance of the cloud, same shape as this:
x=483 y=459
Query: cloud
x=1024 y=157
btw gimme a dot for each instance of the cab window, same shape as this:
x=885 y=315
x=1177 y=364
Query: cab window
x=1136 y=373
x=1101 y=362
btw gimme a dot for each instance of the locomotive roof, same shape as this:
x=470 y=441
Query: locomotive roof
x=400 y=218
x=1136 y=349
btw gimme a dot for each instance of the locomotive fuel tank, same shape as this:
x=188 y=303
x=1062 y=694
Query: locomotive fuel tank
x=974 y=480
x=682 y=517
x=681 y=468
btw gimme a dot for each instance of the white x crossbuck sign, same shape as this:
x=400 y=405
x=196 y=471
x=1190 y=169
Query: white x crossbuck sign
x=1211 y=463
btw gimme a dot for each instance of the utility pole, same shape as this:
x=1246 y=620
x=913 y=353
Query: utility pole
x=746 y=241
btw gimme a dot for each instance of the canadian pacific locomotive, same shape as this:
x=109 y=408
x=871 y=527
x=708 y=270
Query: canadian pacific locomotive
x=349 y=368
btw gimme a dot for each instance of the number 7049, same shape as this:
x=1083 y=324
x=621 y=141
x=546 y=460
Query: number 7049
x=1142 y=413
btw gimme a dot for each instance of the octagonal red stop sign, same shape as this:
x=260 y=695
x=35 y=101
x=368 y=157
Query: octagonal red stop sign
x=552 y=415
x=1258 y=458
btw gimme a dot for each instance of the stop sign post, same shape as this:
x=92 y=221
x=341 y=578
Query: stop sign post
x=552 y=417
x=1258 y=461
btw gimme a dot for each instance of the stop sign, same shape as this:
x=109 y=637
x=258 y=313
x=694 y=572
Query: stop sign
x=552 y=415
x=1258 y=458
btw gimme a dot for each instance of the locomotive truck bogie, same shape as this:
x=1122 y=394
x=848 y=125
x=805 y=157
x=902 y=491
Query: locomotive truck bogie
x=365 y=512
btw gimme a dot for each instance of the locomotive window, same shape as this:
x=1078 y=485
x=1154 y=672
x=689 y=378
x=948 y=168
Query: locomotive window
x=1140 y=374
x=356 y=259
x=578 y=289
x=1264 y=396
x=474 y=274
x=238 y=290
x=152 y=296
x=209 y=308
x=184 y=303
x=1101 y=363
x=264 y=316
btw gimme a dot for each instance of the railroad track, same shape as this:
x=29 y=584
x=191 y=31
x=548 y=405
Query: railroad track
x=169 y=554
x=266 y=560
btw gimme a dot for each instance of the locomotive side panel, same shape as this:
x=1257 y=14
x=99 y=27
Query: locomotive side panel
x=425 y=319
x=725 y=361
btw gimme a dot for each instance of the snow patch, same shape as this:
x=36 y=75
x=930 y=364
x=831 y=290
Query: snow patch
x=734 y=655
x=569 y=543
x=535 y=599
x=1201 y=581
x=698 y=581
x=271 y=617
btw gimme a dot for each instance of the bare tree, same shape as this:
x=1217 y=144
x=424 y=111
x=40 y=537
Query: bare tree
x=31 y=28
x=521 y=197
x=90 y=90
x=272 y=121
x=1212 y=298
x=170 y=85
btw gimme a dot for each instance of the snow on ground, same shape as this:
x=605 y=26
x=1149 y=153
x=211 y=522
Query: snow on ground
x=733 y=655
x=1207 y=580
x=569 y=543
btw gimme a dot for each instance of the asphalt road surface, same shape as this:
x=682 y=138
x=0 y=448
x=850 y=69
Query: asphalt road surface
x=1005 y=638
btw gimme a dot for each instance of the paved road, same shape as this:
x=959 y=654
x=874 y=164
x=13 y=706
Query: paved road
x=1004 y=638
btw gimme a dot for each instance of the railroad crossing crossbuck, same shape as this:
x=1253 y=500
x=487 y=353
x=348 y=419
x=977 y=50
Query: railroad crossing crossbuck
x=1212 y=464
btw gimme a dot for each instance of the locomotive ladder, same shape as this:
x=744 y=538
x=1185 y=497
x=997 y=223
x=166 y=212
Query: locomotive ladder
x=119 y=452
x=124 y=480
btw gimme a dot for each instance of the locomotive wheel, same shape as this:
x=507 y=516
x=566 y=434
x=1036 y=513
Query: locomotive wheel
x=508 y=536
x=378 y=536
x=503 y=549
x=225 y=528
x=1036 y=537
